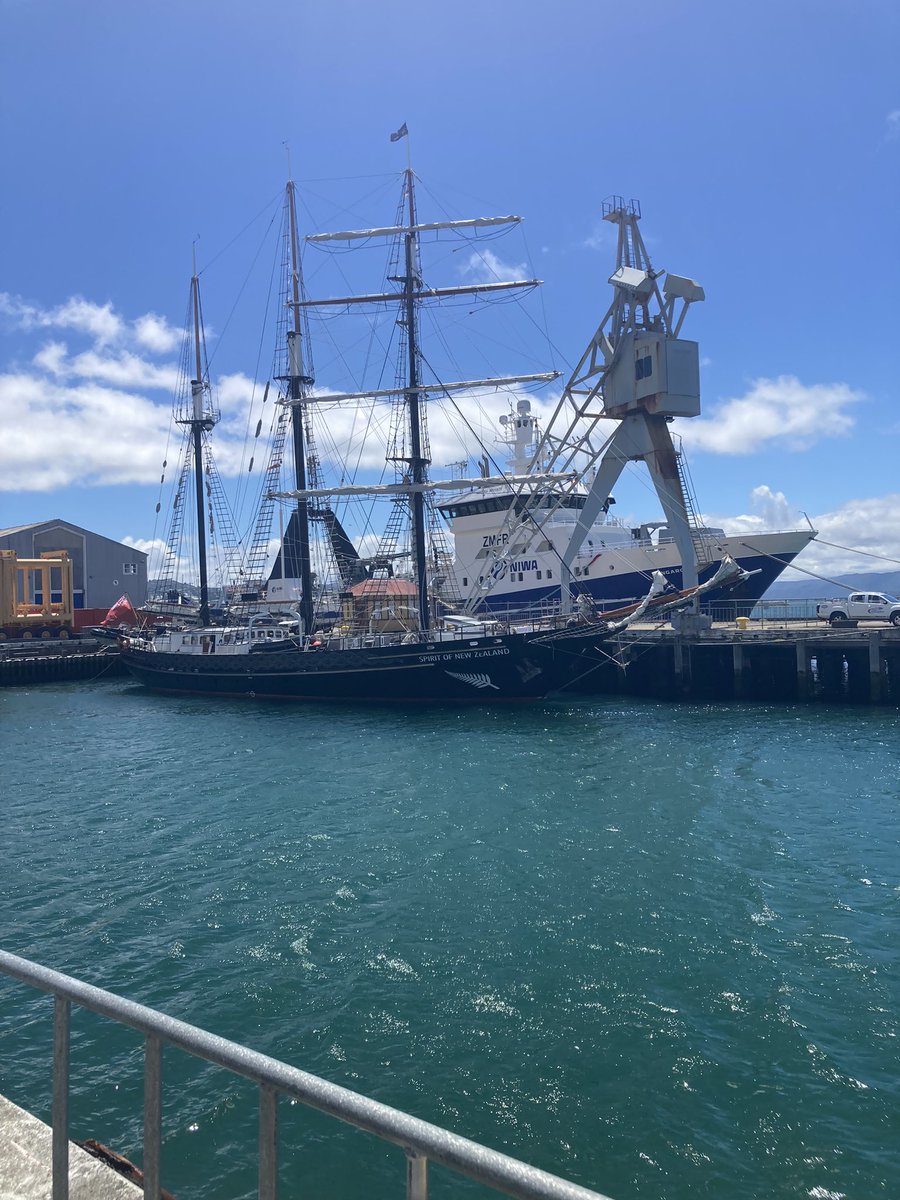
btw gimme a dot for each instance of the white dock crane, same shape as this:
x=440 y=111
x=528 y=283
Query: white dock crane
x=639 y=372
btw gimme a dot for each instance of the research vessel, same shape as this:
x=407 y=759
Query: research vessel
x=615 y=559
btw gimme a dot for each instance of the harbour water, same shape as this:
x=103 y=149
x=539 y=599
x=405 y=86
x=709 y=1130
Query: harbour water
x=649 y=947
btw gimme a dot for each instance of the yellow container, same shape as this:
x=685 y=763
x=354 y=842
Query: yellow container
x=742 y=622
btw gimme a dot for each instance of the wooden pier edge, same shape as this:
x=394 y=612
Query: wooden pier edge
x=807 y=665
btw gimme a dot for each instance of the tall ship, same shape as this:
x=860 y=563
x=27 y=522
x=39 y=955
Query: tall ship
x=416 y=619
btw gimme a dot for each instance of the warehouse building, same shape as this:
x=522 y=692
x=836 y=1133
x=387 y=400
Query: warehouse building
x=102 y=569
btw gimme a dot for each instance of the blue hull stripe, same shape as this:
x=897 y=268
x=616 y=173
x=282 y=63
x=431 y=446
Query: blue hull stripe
x=633 y=585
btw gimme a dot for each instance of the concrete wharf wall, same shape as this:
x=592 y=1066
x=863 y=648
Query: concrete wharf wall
x=851 y=666
x=26 y=1157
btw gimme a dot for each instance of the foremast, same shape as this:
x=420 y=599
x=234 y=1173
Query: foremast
x=200 y=418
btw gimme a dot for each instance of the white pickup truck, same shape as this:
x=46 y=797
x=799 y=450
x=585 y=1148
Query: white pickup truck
x=860 y=606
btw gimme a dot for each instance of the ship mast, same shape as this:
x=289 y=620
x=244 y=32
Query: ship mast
x=414 y=392
x=414 y=400
x=297 y=385
x=201 y=420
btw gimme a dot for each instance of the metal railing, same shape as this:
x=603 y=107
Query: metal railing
x=420 y=1141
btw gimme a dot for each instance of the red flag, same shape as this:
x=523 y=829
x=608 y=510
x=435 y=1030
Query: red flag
x=121 y=613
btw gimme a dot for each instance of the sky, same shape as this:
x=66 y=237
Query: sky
x=762 y=140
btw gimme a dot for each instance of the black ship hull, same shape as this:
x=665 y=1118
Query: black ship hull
x=507 y=668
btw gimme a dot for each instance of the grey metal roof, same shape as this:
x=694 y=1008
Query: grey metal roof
x=53 y=521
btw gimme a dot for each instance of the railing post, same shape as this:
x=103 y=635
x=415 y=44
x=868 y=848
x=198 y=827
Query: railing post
x=152 y=1115
x=61 y=1013
x=416 y=1176
x=268 y=1142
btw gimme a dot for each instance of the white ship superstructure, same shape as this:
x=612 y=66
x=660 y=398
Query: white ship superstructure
x=614 y=561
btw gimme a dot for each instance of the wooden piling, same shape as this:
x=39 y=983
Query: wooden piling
x=877 y=689
x=739 y=662
x=803 y=670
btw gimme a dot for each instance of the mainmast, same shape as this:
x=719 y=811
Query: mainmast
x=414 y=399
x=414 y=391
x=298 y=382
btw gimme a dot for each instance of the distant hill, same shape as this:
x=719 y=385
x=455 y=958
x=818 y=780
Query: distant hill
x=817 y=589
x=158 y=588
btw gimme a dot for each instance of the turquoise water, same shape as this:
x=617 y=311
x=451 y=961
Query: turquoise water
x=652 y=948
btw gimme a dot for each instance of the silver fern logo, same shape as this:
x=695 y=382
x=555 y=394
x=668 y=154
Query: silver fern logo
x=478 y=681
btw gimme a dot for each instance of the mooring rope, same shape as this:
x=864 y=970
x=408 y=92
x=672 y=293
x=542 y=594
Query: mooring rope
x=850 y=587
x=854 y=550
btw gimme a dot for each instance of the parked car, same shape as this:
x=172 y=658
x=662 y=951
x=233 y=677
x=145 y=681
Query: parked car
x=860 y=606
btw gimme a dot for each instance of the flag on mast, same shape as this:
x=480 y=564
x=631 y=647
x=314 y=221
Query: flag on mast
x=402 y=132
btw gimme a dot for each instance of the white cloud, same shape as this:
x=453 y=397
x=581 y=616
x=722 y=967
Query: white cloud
x=601 y=237
x=123 y=369
x=52 y=357
x=97 y=320
x=149 y=546
x=771 y=510
x=483 y=266
x=159 y=556
x=235 y=393
x=368 y=545
x=156 y=334
x=162 y=564
x=459 y=429
x=100 y=322
x=892 y=121
x=870 y=524
x=84 y=416
x=87 y=434
x=782 y=412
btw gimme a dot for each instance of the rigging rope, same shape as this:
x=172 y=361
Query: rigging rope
x=803 y=570
x=855 y=550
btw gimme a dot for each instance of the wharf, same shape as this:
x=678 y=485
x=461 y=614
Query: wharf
x=26 y=1163
x=779 y=661
x=774 y=661
x=55 y=661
